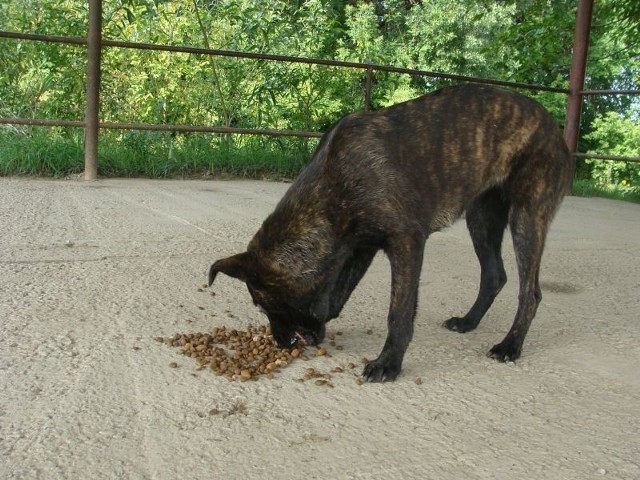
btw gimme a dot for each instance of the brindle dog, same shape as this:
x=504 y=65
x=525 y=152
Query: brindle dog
x=386 y=180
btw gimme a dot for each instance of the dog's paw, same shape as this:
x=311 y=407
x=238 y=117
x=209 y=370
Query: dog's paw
x=460 y=325
x=505 y=352
x=380 y=371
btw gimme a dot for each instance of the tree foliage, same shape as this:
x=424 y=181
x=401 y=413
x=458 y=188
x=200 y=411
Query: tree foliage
x=526 y=41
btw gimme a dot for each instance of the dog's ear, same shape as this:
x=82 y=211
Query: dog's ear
x=241 y=266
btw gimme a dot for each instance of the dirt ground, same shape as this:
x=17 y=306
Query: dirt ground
x=90 y=273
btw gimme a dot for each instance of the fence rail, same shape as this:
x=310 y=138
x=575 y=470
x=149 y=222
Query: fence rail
x=279 y=58
x=616 y=158
x=366 y=67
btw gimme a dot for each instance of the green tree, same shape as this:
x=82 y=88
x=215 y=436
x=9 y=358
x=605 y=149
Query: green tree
x=521 y=40
x=616 y=135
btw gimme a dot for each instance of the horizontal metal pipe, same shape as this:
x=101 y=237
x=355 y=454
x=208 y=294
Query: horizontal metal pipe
x=609 y=92
x=38 y=37
x=233 y=130
x=281 y=58
x=162 y=127
x=210 y=129
x=616 y=158
x=41 y=122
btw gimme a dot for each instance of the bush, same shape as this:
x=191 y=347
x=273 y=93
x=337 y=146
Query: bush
x=616 y=135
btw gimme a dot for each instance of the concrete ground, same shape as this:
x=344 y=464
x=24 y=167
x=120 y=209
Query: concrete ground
x=90 y=273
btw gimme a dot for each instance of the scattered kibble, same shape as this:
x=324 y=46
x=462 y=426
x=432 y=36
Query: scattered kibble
x=242 y=355
x=418 y=380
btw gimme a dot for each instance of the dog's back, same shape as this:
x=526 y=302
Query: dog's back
x=435 y=154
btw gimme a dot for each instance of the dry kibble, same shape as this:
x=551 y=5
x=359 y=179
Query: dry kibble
x=241 y=355
x=418 y=381
x=237 y=354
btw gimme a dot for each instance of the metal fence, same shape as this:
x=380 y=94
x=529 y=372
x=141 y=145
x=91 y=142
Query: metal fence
x=95 y=43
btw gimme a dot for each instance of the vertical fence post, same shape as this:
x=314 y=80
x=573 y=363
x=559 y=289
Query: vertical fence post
x=367 y=89
x=576 y=77
x=91 y=127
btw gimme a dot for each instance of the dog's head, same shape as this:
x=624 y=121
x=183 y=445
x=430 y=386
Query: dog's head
x=293 y=312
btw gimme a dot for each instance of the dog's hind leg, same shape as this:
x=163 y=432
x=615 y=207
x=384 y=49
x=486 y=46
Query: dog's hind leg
x=528 y=229
x=487 y=219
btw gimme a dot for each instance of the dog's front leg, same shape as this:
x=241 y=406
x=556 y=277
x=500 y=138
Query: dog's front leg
x=405 y=255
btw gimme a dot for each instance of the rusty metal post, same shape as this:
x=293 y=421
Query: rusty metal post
x=367 y=90
x=91 y=114
x=576 y=77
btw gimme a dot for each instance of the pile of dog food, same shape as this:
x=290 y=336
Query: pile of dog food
x=247 y=354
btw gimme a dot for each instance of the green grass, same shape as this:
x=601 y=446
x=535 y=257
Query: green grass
x=58 y=152
x=591 y=188
x=39 y=154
